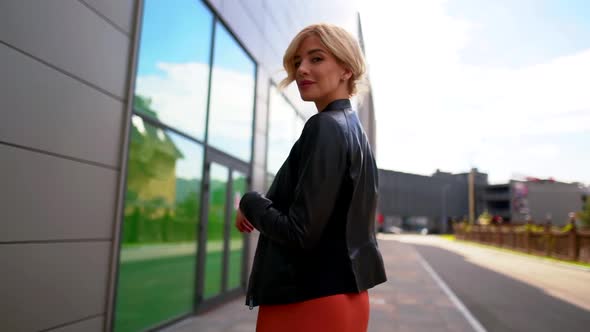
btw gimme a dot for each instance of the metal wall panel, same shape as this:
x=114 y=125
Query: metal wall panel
x=44 y=109
x=70 y=36
x=120 y=12
x=50 y=198
x=52 y=283
x=88 y=325
x=216 y=4
x=248 y=33
x=556 y=200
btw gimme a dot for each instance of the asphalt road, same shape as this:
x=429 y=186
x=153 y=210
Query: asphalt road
x=508 y=292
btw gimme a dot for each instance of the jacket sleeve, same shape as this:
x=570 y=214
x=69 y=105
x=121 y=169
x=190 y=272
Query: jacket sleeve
x=322 y=167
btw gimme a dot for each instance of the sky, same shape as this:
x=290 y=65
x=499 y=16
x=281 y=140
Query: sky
x=173 y=73
x=499 y=85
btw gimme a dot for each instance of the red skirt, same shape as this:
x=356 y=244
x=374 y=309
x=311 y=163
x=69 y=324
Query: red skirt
x=338 y=313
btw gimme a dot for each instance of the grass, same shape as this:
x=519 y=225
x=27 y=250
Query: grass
x=152 y=291
x=452 y=237
x=448 y=237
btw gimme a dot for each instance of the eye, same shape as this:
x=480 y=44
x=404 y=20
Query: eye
x=316 y=59
x=296 y=64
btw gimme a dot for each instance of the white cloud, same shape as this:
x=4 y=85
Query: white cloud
x=179 y=95
x=545 y=150
x=435 y=112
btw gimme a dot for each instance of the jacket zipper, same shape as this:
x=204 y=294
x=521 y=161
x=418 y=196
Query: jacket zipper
x=251 y=303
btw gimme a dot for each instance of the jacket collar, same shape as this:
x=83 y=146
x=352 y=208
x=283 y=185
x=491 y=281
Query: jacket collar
x=338 y=104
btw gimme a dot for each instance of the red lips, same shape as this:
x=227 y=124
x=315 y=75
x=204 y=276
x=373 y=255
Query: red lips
x=305 y=83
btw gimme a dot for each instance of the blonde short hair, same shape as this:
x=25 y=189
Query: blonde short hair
x=339 y=42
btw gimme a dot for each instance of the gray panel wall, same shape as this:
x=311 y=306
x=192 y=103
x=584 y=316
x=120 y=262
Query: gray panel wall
x=70 y=36
x=118 y=13
x=47 y=108
x=65 y=73
x=403 y=194
x=439 y=197
x=46 y=197
x=47 y=285
x=87 y=325
x=554 y=199
x=64 y=70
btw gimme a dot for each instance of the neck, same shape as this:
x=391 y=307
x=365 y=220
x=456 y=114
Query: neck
x=321 y=104
x=338 y=103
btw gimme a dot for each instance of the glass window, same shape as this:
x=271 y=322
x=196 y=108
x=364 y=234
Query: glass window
x=236 y=245
x=269 y=179
x=232 y=97
x=284 y=128
x=159 y=228
x=173 y=65
x=214 y=259
x=299 y=123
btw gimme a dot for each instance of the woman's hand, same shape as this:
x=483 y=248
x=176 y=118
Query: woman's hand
x=242 y=224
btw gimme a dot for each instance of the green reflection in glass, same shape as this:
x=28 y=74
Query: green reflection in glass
x=216 y=220
x=173 y=64
x=236 y=245
x=230 y=119
x=159 y=228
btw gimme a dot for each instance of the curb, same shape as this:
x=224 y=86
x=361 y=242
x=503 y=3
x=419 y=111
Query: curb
x=523 y=254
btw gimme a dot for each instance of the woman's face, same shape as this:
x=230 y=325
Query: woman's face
x=319 y=76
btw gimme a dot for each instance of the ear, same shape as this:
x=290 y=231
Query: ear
x=346 y=75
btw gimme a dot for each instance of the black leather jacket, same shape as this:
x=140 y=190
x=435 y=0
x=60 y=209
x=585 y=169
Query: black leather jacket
x=317 y=221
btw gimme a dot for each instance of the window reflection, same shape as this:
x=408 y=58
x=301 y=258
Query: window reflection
x=173 y=65
x=232 y=97
x=159 y=227
x=284 y=128
x=161 y=214
x=214 y=260
x=236 y=245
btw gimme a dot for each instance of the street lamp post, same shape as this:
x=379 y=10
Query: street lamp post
x=444 y=225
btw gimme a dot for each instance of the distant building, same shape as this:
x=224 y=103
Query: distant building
x=541 y=200
x=413 y=202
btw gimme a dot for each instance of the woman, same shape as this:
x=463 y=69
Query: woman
x=317 y=254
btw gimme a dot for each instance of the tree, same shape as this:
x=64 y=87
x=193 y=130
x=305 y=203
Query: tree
x=143 y=104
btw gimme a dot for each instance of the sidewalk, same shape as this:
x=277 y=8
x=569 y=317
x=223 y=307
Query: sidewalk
x=411 y=300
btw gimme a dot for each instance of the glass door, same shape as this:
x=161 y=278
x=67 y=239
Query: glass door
x=216 y=224
x=222 y=246
x=235 y=250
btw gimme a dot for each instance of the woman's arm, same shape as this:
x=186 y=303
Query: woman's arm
x=322 y=167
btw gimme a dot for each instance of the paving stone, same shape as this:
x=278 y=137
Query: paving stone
x=409 y=301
